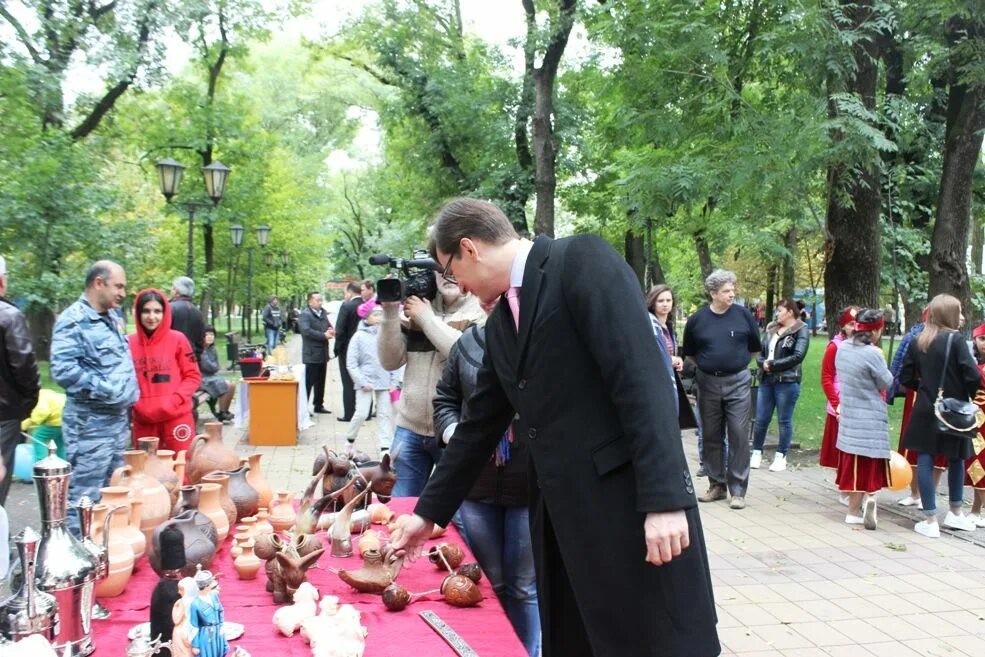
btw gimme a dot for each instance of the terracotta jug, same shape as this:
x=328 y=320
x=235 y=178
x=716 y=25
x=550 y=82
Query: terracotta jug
x=179 y=467
x=157 y=501
x=209 y=454
x=166 y=456
x=158 y=468
x=98 y=520
x=119 y=553
x=120 y=496
x=238 y=539
x=248 y=525
x=244 y=496
x=263 y=525
x=282 y=516
x=200 y=538
x=208 y=503
x=259 y=483
x=224 y=500
x=247 y=563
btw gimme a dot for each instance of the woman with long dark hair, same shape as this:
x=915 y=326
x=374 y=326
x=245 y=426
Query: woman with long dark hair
x=930 y=366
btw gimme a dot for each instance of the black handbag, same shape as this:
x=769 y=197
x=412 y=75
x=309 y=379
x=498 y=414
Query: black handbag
x=955 y=417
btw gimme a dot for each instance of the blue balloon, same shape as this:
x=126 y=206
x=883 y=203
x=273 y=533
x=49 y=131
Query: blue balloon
x=24 y=462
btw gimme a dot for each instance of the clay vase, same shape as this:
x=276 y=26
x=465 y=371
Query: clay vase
x=224 y=500
x=199 y=534
x=119 y=552
x=208 y=503
x=238 y=540
x=158 y=468
x=244 y=496
x=247 y=563
x=209 y=454
x=263 y=525
x=248 y=525
x=157 y=501
x=120 y=496
x=179 y=467
x=98 y=519
x=256 y=479
x=282 y=516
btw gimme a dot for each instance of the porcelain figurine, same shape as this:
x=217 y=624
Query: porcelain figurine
x=206 y=616
x=288 y=619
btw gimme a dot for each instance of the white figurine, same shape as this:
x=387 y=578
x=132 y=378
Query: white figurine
x=288 y=619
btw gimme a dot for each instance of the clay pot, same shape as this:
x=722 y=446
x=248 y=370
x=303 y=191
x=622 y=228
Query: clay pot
x=113 y=496
x=157 y=468
x=209 y=454
x=238 y=540
x=373 y=577
x=224 y=500
x=157 y=501
x=396 y=597
x=282 y=515
x=247 y=563
x=266 y=546
x=98 y=520
x=259 y=483
x=453 y=556
x=460 y=591
x=305 y=544
x=188 y=497
x=119 y=553
x=263 y=525
x=208 y=503
x=200 y=537
x=179 y=467
x=244 y=496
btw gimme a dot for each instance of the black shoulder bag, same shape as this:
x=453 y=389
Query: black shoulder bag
x=955 y=417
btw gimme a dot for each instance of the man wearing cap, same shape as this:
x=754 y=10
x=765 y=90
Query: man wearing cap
x=90 y=359
x=19 y=381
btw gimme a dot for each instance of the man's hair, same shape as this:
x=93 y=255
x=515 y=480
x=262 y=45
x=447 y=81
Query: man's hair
x=311 y=294
x=472 y=218
x=272 y=298
x=353 y=287
x=101 y=269
x=368 y=284
x=184 y=286
x=718 y=279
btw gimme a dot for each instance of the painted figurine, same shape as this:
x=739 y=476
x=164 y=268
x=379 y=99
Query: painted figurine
x=181 y=636
x=206 y=617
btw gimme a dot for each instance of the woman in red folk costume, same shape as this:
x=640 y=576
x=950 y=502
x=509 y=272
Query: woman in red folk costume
x=829 y=383
x=975 y=466
x=167 y=374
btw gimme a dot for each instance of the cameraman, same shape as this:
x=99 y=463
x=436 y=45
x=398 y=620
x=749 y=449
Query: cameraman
x=433 y=327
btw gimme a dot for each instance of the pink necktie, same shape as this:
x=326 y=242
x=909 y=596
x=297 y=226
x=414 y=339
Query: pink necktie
x=513 y=298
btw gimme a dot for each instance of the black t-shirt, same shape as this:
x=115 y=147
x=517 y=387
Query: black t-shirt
x=721 y=344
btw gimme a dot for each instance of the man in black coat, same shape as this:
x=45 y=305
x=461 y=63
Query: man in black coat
x=316 y=332
x=346 y=323
x=185 y=316
x=620 y=555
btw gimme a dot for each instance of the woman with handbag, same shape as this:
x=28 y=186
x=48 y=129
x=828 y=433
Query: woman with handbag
x=944 y=374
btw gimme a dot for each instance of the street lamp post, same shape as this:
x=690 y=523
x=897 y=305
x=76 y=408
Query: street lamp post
x=171 y=172
x=284 y=259
x=263 y=234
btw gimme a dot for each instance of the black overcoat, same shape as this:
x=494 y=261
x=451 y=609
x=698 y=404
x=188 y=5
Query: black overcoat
x=605 y=449
x=922 y=372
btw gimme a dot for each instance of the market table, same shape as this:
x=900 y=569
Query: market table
x=391 y=634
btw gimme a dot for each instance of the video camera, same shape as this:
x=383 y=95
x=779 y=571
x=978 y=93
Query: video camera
x=416 y=278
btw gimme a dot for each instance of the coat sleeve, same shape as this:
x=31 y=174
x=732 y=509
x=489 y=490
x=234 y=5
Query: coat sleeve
x=343 y=333
x=799 y=352
x=614 y=327
x=23 y=364
x=308 y=330
x=392 y=344
x=352 y=358
x=66 y=355
x=448 y=399
x=880 y=371
x=909 y=374
x=969 y=373
x=755 y=344
x=828 y=374
x=441 y=335
x=191 y=376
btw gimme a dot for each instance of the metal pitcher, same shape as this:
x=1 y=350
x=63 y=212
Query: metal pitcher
x=141 y=646
x=65 y=567
x=29 y=611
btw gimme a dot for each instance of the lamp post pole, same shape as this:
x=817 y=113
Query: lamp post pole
x=263 y=234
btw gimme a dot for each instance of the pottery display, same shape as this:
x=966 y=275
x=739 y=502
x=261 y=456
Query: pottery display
x=119 y=551
x=208 y=503
x=245 y=498
x=263 y=525
x=158 y=468
x=200 y=537
x=157 y=500
x=282 y=516
x=259 y=483
x=209 y=454
x=247 y=563
x=112 y=496
x=225 y=501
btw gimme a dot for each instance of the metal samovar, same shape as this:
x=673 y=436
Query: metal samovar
x=29 y=611
x=66 y=569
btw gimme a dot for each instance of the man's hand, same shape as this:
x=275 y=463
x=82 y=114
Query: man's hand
x=329 y=333
x=418 y=309
x=666 y=536
x=367 y=388
x=767 y=366
x=409 y=536
x=677 y=362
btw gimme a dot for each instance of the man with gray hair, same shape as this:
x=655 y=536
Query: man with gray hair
x=721 y=338
x=185 y=315
x=90 y=359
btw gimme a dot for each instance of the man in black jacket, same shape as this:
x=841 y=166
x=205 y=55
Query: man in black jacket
x=316 y=331
x=185 y=315
x=346 y=324
x=569 y=354
x=19 y=380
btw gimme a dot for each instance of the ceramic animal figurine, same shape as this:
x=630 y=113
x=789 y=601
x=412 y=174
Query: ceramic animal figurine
x=288 y=619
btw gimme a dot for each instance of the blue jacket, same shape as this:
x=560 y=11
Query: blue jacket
x=90 y=358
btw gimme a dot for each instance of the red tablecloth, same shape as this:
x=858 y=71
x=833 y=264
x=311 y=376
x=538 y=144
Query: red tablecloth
x=391 y=634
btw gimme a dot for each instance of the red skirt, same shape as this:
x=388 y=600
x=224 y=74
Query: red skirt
x=861 y=474
x=911 y=456
x=828 y=458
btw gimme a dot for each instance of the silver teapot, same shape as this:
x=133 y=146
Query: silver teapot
x=29 y=611
x=141 y=646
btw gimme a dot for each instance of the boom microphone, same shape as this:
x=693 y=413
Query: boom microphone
x=379 y=259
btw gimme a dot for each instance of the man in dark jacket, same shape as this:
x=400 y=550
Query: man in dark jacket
x=609 y=479
x=346 y=324
x=316 y=331
x=185 y=315
x=272 y=322
x=19 y=380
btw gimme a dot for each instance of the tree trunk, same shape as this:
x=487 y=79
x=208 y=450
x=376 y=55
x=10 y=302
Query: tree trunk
x=704 y=254
x=853 y=253
x=788 y=281
x=771 y=276
x=977 y=243
x=635 y=255
x=40 y=322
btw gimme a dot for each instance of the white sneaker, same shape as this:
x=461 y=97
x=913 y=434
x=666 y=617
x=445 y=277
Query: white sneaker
x=977 y=518
x=909 y=500
x=869 y=514
x=756 y=459
x=956 y=521
x=928 y=529
x=779 y=462
x=854 y=520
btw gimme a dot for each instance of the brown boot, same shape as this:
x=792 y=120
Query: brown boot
x=715 y=492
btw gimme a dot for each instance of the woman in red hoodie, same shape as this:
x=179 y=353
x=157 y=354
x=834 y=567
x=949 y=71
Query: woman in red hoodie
x=166 y=372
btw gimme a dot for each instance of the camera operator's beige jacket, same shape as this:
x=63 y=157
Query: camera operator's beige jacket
x=415 y=411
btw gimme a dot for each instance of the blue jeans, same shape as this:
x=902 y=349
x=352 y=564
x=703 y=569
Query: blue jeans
x=783 y=398
x=925 y=480
x=272 y=336
x=499 y=536
x=414 y=457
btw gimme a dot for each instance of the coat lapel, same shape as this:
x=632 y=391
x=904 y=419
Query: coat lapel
x=533 y=283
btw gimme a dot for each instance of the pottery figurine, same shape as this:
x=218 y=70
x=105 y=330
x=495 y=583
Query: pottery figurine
x=282 y=516
x=157 y=500
x=118 y=551
x=113 y=496
x=200 y=538
x=369 y=541
x=158 y=468
x=266 y=545
x=208 y=503
x=373 y=577
x=209 y=454
x=224 y=500
x=259 y=483
x=247 y=563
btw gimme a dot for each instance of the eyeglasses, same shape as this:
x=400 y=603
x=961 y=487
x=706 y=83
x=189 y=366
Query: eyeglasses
x=446 y=271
